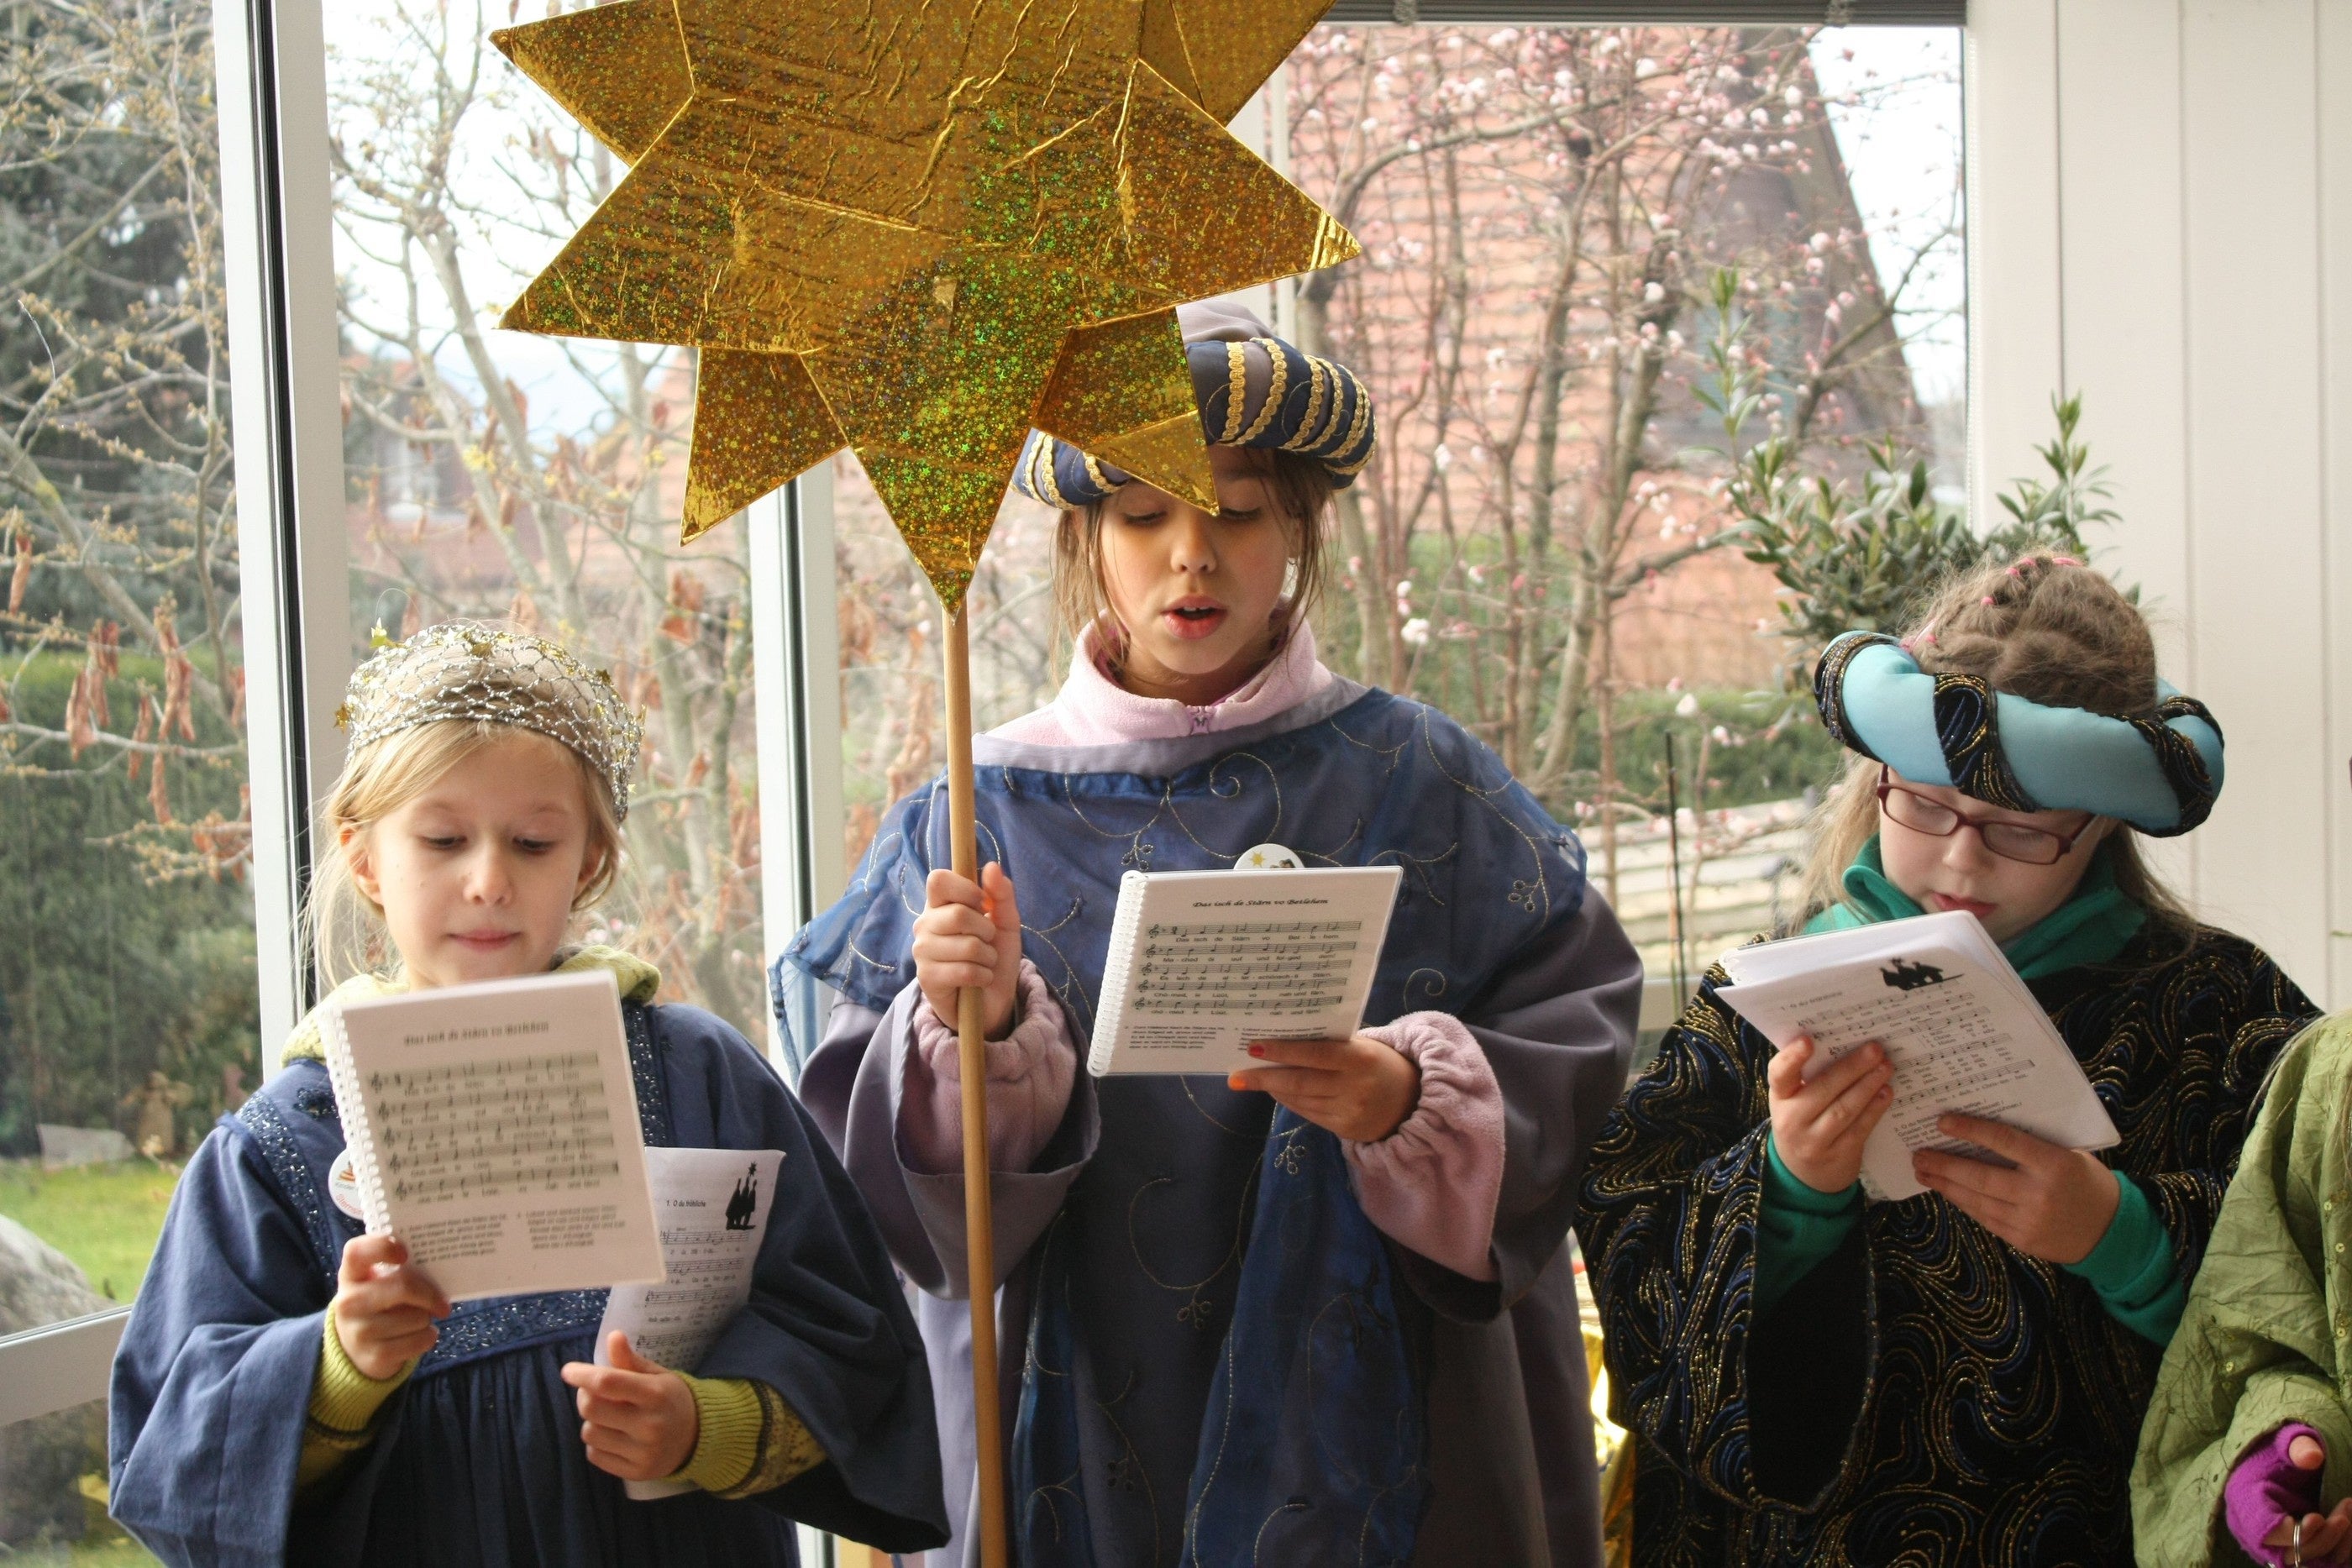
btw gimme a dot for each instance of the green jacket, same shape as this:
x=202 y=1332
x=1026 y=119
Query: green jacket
x=2267 y=1336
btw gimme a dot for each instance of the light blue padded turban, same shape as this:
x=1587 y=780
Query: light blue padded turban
x=2159 y=770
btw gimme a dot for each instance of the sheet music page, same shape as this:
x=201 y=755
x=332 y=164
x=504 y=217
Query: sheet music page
x=503 y=1124
x=1266 y=968
x=1214 y=960
x=712 y=1207
x=1962 y=1038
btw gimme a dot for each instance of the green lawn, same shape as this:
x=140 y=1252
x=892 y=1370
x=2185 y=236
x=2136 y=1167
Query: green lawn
x=104 y=1218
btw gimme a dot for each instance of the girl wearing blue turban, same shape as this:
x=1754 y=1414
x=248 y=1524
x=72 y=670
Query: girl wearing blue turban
x=1323 y=1313
x=1959 y=1377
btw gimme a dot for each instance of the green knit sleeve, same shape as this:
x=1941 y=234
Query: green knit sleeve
x=750 y=1440
x=1796 y=1228
x=343 y=1405
x=2134 y=1267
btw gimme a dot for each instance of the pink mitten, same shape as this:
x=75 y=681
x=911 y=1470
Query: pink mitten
x=2265 y=1486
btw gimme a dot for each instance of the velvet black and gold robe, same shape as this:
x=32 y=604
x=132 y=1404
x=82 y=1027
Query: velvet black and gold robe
x=1928 y=1396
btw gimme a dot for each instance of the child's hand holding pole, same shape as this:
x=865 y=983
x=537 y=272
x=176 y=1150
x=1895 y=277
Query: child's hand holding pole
x=969 y=934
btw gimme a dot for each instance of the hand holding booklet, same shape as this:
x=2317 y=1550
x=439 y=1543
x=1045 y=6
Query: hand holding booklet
x=1962 y=1030
x=493 y=1128
x=713 y=1204
x=1204 y=962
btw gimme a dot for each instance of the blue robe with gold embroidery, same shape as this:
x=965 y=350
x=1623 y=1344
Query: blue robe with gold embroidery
x=478 y=1458
x=1211 y=1354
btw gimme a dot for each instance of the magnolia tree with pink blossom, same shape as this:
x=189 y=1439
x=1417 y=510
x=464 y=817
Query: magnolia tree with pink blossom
x=1545 y=212
x=492 y=474
x=1543 y=544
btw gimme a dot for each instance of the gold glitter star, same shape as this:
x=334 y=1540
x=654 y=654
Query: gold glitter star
x=917 y=227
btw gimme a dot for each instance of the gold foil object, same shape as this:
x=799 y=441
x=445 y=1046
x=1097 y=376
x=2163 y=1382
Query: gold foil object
x=759 y=419
x=918 y=229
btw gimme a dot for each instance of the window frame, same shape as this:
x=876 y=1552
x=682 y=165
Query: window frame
x=278 y=235
x=278 y=232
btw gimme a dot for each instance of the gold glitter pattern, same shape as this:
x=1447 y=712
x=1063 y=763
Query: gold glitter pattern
x=462 y=670
x=758 y=419
x=930 y=206
x=1123 y=392
x=620 y=69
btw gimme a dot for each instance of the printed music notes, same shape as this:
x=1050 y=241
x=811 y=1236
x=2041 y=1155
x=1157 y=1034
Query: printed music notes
x=494 y=1129
x=486 y=1129
x=1274 y=969
x=1202 y=963
x=1959 y=1027
x=712 y=1206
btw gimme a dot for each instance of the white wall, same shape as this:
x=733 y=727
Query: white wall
x=2160 y=218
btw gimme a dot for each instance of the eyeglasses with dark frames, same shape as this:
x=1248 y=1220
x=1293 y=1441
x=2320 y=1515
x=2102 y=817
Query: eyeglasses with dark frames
x=2010 y=841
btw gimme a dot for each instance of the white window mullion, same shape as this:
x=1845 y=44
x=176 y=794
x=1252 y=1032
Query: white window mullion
x=796 y=664
x=278 y=240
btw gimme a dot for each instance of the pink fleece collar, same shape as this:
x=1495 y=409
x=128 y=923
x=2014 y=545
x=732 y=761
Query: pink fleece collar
x=1092 y=709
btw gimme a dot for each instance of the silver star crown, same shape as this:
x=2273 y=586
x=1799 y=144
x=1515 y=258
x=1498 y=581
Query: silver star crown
x=465 y=670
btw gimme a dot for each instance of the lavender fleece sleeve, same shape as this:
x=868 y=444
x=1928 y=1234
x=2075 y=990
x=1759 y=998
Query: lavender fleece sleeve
x=1030 y=1073
x=1555 y=1030
x=1431 y=1185
x=855 y=1084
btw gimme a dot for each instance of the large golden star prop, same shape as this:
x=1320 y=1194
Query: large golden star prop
x=917 y=227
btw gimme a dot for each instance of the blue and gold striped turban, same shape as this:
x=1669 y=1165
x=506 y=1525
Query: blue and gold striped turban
x=1254 y=389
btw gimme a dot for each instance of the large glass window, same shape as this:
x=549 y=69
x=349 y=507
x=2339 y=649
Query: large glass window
x=1544 y=546
x=128 y=1011
x=498 y=475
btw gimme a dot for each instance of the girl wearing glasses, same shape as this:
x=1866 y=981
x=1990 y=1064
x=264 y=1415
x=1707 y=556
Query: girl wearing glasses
x=1959 y=1377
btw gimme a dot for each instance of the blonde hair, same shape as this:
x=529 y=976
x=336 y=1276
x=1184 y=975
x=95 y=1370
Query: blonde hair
x=346 y=928
x=2042 y=628
x=1300 y=488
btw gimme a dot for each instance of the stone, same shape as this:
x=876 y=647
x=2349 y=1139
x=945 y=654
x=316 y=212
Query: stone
x=62 y=1146
x=43 y=1460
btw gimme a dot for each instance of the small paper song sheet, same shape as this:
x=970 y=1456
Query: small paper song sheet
x=1961 y=1030
x=711 y=1208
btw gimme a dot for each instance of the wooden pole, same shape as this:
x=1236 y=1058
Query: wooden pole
x=971 y=1055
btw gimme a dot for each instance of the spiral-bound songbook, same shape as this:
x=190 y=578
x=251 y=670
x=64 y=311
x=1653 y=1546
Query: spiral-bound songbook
x=1204 y=962
x=493 y=1128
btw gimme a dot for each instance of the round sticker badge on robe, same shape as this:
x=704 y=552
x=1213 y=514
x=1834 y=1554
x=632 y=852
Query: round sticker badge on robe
x=343 y=1186
x=1268 y=857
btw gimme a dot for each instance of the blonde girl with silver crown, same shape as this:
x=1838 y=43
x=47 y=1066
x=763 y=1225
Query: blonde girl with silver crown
x=290 y=1389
